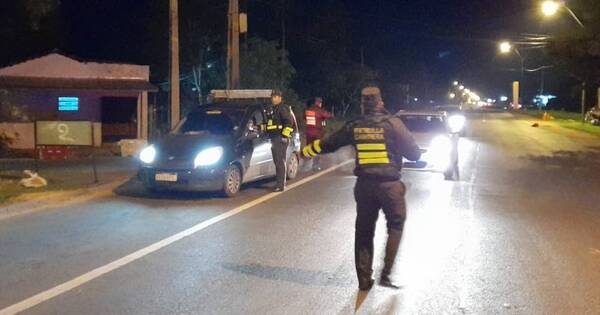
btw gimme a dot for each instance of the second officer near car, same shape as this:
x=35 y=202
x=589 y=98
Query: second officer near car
x=381 y=141
x=280 y=128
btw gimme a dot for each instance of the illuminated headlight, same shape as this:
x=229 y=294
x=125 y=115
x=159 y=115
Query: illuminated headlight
x=208 y=157
x=456 y=123
x=439 y=152
x=148 y=154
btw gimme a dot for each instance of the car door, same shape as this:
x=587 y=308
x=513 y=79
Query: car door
x=261 y=160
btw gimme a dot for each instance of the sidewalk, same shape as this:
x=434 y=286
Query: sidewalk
x=66 y=180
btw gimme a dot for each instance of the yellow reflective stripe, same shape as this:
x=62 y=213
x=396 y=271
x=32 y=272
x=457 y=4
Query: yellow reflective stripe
x=308 y=152
x=271 y=127
x=317 y=146
x=371 y=147
x=372 y=155
x=287 y=131
x=374 y=161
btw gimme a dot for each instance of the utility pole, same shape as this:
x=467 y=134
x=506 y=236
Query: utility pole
x=283 y=43
x=583 y=100
x=233 y=46
x=174 y=52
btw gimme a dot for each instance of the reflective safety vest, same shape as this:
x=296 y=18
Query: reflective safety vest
x=272 y=128
x=371 y=147
x=311 y=118
x=275 y=122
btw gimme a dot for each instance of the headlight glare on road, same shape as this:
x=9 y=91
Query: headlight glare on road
x=439 y=152
x=208 y=157
x=148 y=154
x=456 y=123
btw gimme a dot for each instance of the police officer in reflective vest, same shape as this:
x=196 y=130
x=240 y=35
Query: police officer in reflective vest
x=315 y=118
x=381 y=141
x=280 y=128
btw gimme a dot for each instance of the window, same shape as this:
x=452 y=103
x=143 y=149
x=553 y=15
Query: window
x=209 y=121
x=424 y=123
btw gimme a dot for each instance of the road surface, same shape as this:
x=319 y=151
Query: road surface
x=518 y=234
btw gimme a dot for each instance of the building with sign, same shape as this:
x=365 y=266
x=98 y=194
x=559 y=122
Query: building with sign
x=113 y=97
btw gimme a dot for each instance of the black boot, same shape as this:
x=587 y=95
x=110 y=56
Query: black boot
x=363 y=258
x=391 y=250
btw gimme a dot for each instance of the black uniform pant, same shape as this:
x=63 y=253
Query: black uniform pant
x=279 y=149
x=372 y=195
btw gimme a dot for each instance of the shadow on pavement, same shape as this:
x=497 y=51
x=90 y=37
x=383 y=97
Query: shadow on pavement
x=569 y=160
x=289 y=274
x=135 y=188
x=562 y=172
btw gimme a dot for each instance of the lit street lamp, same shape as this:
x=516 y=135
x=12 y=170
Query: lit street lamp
x=506 y=47
x=550 y=8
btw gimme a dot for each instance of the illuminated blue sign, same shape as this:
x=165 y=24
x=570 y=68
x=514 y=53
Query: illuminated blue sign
x=68 y=104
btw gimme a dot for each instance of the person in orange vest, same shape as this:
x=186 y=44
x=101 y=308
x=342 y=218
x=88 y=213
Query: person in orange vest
x=315 y=118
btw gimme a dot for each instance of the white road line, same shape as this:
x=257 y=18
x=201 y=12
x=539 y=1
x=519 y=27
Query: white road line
x=463 y=294
x=98 y=272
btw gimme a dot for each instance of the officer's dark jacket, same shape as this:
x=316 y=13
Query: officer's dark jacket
x=279 y=120
x=380 y=140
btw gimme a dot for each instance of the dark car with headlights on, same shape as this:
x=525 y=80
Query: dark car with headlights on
x=216 y=147
x=437 y=134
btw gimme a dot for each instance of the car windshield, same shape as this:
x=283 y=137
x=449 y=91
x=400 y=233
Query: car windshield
x=213 y=121
x=424 y=123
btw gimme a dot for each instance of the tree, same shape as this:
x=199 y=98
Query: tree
x=39 y=10
x=578 y=51
x=261 y=67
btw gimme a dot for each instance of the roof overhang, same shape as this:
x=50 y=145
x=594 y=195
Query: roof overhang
x=100 y=84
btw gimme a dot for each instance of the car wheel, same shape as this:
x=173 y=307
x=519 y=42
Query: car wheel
x=232 y=181
x=292 y=166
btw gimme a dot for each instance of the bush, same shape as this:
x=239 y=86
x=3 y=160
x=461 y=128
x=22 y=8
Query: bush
x=5 y=141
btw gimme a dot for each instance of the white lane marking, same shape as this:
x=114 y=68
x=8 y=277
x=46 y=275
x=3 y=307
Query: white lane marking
x=89 y=276
x=470 y=241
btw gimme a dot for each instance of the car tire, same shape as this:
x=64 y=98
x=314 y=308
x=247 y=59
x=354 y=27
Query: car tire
x=232 y=181
x=293 y=165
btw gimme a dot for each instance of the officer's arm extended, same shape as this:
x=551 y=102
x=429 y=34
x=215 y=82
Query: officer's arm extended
x=405 y=141
x=286 y=121
x=331 y=143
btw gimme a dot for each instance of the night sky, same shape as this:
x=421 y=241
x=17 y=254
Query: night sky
x=426 y=41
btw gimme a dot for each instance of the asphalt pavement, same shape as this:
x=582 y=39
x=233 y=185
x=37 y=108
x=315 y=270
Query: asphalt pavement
x=518 y=234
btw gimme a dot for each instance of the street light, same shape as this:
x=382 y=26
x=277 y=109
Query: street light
x=505 y=47
x=452 y=95
x=550 y=8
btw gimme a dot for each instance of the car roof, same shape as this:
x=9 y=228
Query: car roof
x=420 y=113
x=239 y=104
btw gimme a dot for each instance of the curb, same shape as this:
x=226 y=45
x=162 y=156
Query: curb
x=36 y=202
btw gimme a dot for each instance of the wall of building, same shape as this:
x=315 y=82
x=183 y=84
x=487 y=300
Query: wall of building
x=43 y=104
